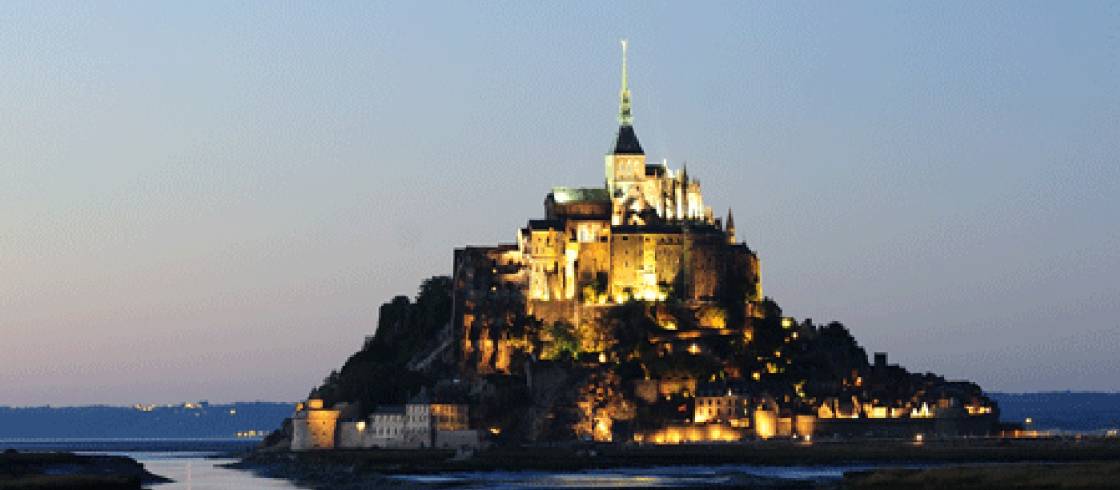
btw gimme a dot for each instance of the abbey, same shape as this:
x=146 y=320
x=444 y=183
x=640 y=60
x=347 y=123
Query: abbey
x=646 y=235
x=626 y=313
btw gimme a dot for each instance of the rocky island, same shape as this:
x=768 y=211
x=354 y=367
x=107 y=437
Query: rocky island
x=631 y=314
x=625 y=327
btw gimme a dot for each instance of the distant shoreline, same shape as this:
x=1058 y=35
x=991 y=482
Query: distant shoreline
x=183 y=421
x=226 y=446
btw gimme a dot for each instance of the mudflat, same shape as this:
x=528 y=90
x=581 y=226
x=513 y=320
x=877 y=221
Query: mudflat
x=1057 y=476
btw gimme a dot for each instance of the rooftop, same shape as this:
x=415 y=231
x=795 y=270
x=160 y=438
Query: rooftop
x=627 y=142
x=579 y=194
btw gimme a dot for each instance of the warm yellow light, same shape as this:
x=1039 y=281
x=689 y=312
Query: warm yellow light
x=923 y=413
x=693 y=349
x=756 y=375
x=919 y=437
x=765 y=424
x=1029 y=421
x=603 y=430
x=361 y=426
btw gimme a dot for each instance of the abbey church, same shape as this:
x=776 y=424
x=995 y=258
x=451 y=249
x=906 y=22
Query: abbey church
x=645 y=235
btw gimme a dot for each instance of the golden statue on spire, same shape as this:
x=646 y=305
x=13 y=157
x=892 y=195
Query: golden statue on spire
x=625 y=118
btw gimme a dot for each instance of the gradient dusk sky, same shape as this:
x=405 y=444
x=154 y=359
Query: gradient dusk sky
x=210 y=200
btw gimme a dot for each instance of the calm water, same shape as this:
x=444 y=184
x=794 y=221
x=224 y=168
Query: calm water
x=658 y=477
x=197 y=471
x=193 y=466
x=190 y=462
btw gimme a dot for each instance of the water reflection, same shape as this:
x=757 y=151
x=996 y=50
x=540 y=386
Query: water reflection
x=195 y=472
x=657 y=477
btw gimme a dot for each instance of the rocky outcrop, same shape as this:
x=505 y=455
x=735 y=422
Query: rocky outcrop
x=72 y=471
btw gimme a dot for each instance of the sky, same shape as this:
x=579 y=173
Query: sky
x=210 y=200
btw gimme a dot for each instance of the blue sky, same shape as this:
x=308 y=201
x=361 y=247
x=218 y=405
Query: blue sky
x=211 y=199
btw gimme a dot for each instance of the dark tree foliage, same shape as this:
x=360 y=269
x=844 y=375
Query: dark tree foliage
x=377 y=374
x=630 y=325
x=564 y=340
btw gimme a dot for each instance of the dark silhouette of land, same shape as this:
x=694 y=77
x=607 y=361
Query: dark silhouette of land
x=72 y=471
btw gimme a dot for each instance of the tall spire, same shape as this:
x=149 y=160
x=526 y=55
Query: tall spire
x=730 y=227
x=624 y=116
x=627 y=142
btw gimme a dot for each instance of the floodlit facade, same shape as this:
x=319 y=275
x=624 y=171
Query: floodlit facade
x=728 y=406
x=313 y=426
x=419 y=424
x=646 y=234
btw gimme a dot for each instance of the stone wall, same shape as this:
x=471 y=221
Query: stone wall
x=314 y=429
x=351 y=435
x=457 y=439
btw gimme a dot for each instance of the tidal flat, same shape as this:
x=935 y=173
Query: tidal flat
x=1050 y=476
x=851 y=464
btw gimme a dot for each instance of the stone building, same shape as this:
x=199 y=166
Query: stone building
x=313 y=426
x=419 y=424
x=386 y=427
x=720 y=403
x=645 y=234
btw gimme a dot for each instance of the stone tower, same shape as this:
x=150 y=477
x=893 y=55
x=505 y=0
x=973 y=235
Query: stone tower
x=626 y=163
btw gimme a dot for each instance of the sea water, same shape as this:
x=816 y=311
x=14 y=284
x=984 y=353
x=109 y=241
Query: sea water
x=202 y=471
x=198 y=465
x=193 y=464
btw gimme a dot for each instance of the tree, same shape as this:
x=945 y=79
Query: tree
x=378 y=373
x=563 y=341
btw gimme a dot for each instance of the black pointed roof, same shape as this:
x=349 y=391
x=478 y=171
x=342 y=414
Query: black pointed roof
x=627 y=142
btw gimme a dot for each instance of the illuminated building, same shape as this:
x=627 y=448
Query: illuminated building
x=418 y=424
x=720 y=404
x=644 y=235
x=690 y=434
x=313 y=426
x=646 y=240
